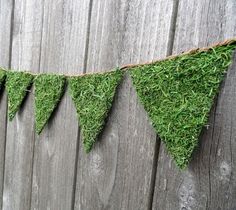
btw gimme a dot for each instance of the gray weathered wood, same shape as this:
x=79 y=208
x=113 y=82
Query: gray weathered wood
x=209 y=182
x=5 y=35
x=63 y=47
x=20 y=132
x=52 y=171
x=117 y=174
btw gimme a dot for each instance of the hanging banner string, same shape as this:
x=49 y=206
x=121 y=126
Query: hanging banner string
x=177 y=93
x=128 y=66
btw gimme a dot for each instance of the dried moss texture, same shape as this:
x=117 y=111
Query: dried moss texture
x=2 y=77
x=17 y=86
x=93 y=96
x=178 y=94
x=49 y=89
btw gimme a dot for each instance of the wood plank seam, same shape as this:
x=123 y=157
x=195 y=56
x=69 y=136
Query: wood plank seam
x=34 y=138
x=154 y=171
x=6 y=118
x=75 y=170
x=158 y=140
x=79 y=133
x=87 y=37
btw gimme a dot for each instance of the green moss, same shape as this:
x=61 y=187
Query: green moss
x=178 y=94
x=17 y=86
x=49 y=89
x=2 y=77
x=93 y=96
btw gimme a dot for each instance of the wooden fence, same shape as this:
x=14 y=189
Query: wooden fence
x=129 y=167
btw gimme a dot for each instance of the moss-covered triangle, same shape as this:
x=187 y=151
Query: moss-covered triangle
x=17 y=86
x=49 y=89
x=93 y=96
x=178 y=94
x=2 y=77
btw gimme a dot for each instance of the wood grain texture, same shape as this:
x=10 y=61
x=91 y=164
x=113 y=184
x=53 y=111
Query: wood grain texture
x=6 y=8
x=209 y=182
x=52 y=171
x=117 y=174
x=63 y=46
x=20 y=132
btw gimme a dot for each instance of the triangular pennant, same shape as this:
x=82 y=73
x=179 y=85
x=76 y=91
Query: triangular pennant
x=93 y=96
x=49 y=89
x=17 y=85
x=2 y=77
x=178 y=93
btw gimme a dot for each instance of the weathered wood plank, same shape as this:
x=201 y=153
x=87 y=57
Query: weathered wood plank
x=209 y=182
x=55 y=157
x=117 y=174
x=27 y=24
x=6 y=9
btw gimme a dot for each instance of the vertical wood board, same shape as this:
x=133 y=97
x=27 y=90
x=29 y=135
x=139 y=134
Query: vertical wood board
x=117 y=174
x=6 y=8
x=63 y=46
x=26 y=36
x=209 y=182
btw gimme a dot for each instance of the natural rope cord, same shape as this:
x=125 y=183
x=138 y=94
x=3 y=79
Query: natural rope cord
x=128 y=66
x=177 y=93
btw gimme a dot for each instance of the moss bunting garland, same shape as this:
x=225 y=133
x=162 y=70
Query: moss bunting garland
x=93 y=96
x=17 y=85
x=2 y=77
x=178 y=94
x=49 y=89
